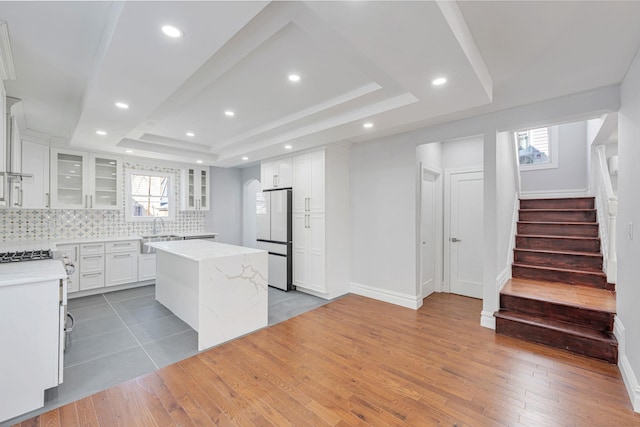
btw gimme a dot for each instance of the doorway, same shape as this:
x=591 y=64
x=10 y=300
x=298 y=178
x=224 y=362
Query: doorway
x=430 y=233
x=464 y=228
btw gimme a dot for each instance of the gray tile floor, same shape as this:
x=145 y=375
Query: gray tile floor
x=122 y=335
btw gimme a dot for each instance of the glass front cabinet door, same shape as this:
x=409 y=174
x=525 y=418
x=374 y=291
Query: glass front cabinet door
x=195 y=189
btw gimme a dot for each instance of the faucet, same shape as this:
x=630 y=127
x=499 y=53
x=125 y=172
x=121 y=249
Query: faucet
x=154 y=230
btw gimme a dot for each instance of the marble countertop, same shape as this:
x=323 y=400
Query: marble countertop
x=19 y=273
x=199 y=250
x=30 y=245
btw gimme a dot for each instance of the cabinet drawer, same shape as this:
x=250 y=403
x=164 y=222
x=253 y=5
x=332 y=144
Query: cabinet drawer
x=69 y=251
x=91 y=263
x=122 y=246
x=91 y=248
x=91 y=280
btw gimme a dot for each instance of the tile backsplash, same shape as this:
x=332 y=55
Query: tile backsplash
x=63 y=224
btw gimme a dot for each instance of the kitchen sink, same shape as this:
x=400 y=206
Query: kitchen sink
x=144 y=249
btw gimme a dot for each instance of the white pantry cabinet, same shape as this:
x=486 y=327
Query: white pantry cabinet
x=82 y=180
x=121 y=262
x=321 y=221
x=308 y=182
x=276 y=174
x=195 y=189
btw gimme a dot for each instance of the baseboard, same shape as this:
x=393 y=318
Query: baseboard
x=628 y=376
x=397 y=298
x=503 y=277
x=487 y=320
x=555 y=194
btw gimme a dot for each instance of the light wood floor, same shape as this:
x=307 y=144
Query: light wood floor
x=357 y=361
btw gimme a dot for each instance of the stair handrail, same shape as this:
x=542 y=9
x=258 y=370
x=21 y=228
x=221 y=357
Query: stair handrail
x=607 y=201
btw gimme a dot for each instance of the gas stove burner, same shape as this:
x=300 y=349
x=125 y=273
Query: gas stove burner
x=19 y=256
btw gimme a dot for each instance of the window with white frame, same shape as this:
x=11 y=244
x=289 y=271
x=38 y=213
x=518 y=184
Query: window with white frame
x=536 y=148
x=149 y=195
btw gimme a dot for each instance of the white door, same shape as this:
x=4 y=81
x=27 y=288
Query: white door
x=428 y=237
x=465 y=234
x=300 y=249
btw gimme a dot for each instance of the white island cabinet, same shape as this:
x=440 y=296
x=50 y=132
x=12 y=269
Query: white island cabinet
x=219 y=290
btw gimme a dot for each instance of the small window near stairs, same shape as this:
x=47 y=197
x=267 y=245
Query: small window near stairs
x=536 y=148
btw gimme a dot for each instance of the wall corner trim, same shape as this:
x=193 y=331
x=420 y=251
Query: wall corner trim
x=487 y=320
x=405 y=300
x=629 y=377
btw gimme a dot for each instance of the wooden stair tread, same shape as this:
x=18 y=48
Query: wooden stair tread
x=563 y=294
x=557 y=210
x=566 y=270
x=564 y=327
x=558 y=198
x=544 y=236
x=558 y=222
x=546 y=251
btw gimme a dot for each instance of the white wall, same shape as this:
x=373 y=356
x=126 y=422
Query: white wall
x=250 y=186
x=462 y=153
x=628 y=249
x=384 y=188
x=507 y=193
x=225 y=216
x=572 y=173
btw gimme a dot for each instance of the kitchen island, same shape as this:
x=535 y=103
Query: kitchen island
x=219 y=290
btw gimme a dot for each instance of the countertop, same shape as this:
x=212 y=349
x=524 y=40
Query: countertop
x=30 y=245
x=18 y=273
x=199 y=250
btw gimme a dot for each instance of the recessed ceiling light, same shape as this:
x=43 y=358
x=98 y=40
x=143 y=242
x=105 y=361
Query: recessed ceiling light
x=439 y=81
x=245 y=158
x=288 y=147
x=367 y=125
x=171 y=31
x=191 y=134
x=198 y=161
x=101 y=132
x=122 y=105
x=229 y=113
x=128 y=151
x=294 y=77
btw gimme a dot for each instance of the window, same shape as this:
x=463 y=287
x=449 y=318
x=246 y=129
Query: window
x=536 y=148
x=149 y=195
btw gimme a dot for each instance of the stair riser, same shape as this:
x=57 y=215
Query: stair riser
x=557 y=339
x=594 y=319
x=558 y=216
x=573 y=262
x=577 y=230
x=572 y=278
x=545 y=243
x=586 y=203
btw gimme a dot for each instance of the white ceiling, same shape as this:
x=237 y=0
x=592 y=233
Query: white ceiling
x=358 y=61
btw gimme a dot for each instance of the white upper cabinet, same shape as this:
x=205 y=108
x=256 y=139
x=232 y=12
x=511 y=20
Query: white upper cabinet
x=85 y=180
x=35 y=188
x=308 y=182
x=276 y=174
x=195 y=189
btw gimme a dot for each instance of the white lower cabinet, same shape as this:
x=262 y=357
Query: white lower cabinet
x=146 y=267
x=121 y=262
x=72 y=253
x=91 y=266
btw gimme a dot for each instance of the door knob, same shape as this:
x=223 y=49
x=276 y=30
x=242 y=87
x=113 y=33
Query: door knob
x=453 y=239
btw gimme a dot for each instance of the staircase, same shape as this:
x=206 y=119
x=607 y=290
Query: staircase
x=559 y=295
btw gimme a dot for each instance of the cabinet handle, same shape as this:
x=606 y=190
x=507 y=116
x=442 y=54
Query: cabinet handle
x=122 y=256
x=122 y=244
x=92 y=246
x=91 y=200
x=92 y=274
x=306 y=221
x=274 y=181
x=75 y=252
x=86 y=201
x=48 y=202
x=21 y=197
x=92 y=257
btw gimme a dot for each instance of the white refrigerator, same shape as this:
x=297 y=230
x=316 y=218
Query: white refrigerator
x=274 y=235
